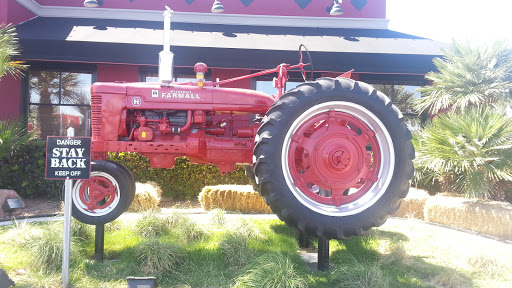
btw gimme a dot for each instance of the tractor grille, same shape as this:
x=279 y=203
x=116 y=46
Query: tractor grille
x=96 y=115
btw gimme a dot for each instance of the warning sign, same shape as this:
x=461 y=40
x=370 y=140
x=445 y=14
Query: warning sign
x=68 y=158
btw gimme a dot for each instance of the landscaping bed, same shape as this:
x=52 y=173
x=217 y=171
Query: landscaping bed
x=247 y=252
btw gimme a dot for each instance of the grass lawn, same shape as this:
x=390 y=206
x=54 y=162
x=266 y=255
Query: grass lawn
x=252 y=253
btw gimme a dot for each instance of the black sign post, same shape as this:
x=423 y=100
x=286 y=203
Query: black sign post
x=68 y=158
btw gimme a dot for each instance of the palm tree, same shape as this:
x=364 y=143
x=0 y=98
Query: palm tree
x=401 y=97
x=13 y=132
x=8 y=49
x=468 y=153
x=468 y=76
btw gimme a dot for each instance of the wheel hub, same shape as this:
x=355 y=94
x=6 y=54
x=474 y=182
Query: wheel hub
x=329 y=153
x=97 y=193
x=336 y=160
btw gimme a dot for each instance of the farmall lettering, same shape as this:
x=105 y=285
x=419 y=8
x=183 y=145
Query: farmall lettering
x=180 y=95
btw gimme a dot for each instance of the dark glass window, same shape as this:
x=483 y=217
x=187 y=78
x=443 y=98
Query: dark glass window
x=59 y=100
x=181 y=74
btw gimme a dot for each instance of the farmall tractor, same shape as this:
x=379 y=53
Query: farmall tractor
x=331 y=157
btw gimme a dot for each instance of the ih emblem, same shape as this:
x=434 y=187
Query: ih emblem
x=154 y=93
x=136 y=101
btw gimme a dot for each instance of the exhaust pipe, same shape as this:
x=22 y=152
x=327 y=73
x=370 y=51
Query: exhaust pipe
x=166 y=57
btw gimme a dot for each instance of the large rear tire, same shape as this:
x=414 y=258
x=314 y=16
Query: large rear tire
x=333 y=158
x=105 y=196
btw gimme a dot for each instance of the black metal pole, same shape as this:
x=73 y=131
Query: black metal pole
x=323 y=254
x=99 y=243
x=304 y=241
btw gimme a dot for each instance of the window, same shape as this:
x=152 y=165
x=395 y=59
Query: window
x=181 y=74
x=59 y=100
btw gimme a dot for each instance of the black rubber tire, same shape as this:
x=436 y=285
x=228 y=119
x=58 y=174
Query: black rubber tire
x=249 y=173
x=126 y=185
x=132 y=180
x=269 y=170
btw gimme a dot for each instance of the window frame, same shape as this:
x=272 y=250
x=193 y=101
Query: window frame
x=53 y=67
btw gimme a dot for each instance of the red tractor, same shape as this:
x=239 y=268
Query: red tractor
x=331 y=157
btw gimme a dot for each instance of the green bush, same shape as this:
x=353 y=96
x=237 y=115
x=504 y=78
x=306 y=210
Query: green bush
x=24 y=172
x=235 y=248
x=184 y=181
x=468 y=153
x=151 y=225
x=272 y=271
x=47 y=249
x=158 y=257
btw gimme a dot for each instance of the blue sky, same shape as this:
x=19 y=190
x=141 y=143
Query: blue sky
x=478 y=21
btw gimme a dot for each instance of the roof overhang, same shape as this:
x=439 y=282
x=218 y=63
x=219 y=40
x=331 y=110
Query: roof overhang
x=227 y=46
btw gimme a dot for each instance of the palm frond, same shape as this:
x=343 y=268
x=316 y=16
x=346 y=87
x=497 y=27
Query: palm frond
x=468 y=76
x=9 y=49
x=13 y=133
x=469 y=151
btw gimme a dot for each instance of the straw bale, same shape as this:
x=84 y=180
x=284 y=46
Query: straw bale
x=240 y=198
x=483 y=216
x=413 y=205
x=147 y=197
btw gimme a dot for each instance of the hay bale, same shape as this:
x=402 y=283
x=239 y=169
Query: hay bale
x=413 y=205
x=147 y=197
x=240 y=198
x=483 y=216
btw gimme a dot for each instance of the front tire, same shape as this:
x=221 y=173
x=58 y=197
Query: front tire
x=105 y=196
x=334 y=158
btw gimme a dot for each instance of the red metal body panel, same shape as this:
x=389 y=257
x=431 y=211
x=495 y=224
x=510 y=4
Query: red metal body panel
x=123 y=120
x=185 y=97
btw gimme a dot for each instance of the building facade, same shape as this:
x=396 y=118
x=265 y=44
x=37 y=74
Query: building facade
x=69 y=46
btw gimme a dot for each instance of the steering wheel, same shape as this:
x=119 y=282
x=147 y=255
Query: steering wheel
x=303 y=72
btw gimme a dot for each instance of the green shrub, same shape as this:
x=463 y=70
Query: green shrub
x=235 y=248
x=177 y=219
x=467 y=153
x=47 y=249
x=359 y=275
x=192 y=231
x=81 y=231
x=151 y=225
x=113 y=226
x=24 y=172
x=157 y=257
x=21 y=235
x=272 y=271
x=184 y=181
x=246 y=227
x=217 y=218
x=186 y=227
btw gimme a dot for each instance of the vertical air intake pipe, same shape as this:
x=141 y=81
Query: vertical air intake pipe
x=165 y=60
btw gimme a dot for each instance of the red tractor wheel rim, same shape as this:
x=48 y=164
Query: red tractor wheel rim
x=334 y=158
x=97 y=193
